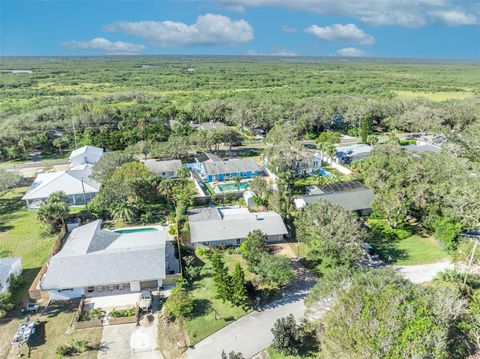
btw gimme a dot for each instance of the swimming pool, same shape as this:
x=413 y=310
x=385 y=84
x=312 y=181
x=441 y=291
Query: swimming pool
x=136 y=230
x=229 y=187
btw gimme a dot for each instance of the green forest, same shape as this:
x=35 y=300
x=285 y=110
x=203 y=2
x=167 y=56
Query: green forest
x=116 y=102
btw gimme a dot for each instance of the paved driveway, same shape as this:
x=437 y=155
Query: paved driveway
x=251 y=333
x=424 y=272
x=128 y=341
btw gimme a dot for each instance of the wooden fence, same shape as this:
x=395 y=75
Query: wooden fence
x=34 y=292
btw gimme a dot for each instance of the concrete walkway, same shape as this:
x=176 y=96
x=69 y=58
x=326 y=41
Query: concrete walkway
x=128 y=341
x=252 y=333
x=424 y=272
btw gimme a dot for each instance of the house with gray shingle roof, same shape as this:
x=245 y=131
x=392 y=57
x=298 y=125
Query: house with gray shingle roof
x=224 y=170
x=164 y=169
x=96 y=262
x=353 y=196
x=229 y=226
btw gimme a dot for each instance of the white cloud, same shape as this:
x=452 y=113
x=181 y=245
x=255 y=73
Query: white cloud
x=455 y=18
x=408 y=13
x=349 y=33
x=351 y=52
x=286 y=28
x=208 y=30
x=107 y=46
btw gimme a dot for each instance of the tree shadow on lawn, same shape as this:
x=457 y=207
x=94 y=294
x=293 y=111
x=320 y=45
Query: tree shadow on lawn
x=388 y=251
x=202 y=307
x=9 y=206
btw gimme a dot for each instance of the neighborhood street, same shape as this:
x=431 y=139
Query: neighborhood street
x=251 y=333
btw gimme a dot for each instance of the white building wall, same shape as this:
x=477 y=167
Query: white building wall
x=66 y=294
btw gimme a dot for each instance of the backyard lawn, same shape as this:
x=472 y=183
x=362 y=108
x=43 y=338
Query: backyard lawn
x=21 y=235
x=204 y=322
x=53 y=330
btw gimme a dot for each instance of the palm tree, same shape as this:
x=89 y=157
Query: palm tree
x=238 y=182
x=124 y=211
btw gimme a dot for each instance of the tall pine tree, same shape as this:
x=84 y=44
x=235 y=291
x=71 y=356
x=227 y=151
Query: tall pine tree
x=239 y=296
x=221 y=277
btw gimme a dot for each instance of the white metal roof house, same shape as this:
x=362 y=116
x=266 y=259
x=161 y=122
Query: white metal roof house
x=76 y=182
x=353 y=196
x=97 y=262
x=85 y=154
x=9 y=267
x=348 y=154
x=164 y=169
x=228 y=226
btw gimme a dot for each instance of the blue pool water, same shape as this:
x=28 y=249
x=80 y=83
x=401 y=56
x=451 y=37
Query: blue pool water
x=136 y=230
x=229 y=187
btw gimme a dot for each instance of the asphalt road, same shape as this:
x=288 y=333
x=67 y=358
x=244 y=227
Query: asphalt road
x=252 y=333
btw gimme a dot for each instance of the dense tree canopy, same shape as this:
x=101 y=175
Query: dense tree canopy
x=333 y=235
x=378 y=314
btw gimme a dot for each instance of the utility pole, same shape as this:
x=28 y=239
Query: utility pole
x=471 y=256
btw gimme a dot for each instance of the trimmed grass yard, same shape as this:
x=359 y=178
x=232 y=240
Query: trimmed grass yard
x=21 y=235
x=53 y=330
x=420 y=250
x=403 y=246
x=203 y=321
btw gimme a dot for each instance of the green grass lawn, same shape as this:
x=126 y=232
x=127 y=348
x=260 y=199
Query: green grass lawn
x=204 y=322
x=403 y=246
x=420 y=250
x=21 y=235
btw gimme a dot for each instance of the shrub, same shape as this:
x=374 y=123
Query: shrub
x=5 y=304
x=447 y=231
x=178 y=304
x=286 y=338
x=16 y=282
x=121 y=313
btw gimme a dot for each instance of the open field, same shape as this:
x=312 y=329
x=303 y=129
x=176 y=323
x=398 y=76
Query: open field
x=436 y=96
x=21 y=235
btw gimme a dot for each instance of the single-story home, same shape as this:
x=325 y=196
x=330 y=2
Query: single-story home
x=226 y=170
x=97 y=262
x=349 y=153
x=353 y=196
x=76 y=182
x=229 y=226
x=164 y=169
x=77 y=185
x=9 y=267
x=85 y=154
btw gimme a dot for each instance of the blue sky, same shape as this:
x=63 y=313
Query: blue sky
x=380 y=28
